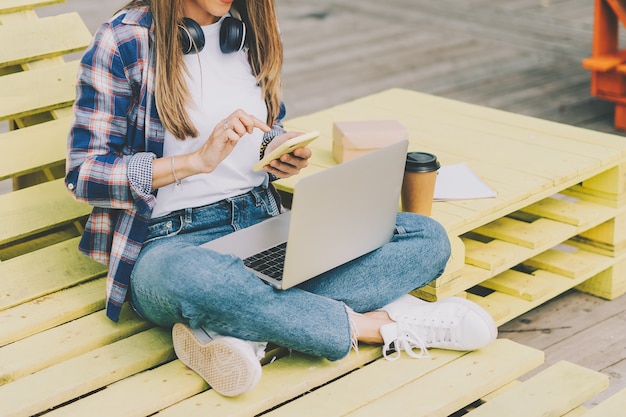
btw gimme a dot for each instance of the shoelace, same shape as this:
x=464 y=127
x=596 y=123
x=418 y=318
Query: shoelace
x=407 y=341
x=259 y=349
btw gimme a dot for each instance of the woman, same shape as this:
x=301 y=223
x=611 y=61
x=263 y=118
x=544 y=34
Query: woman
x=169 y=121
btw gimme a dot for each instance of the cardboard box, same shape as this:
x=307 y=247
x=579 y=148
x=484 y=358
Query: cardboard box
x=355 y=138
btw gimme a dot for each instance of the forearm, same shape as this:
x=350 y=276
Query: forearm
x=173 y=169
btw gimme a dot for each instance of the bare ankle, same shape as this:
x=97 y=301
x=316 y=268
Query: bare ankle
x=368 y=326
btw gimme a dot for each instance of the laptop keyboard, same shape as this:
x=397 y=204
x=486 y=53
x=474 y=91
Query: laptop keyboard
x=269 y=262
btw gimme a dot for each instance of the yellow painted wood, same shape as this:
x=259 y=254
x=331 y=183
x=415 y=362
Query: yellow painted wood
x=615 y=406
x=530 y=128
x=456 y=263
x=555 y=391
x=571 y=210
x=470 y=276
x=85 y=373
x=611 y=233
x=576 y=412
x=452 y=386
x=518 y=306
x=59 y=235
x=368 y=383
x=513 y=128
x=434 y=123
x=43 y=38
x=64 y=342
x=612 y=181
x=33 y=148
x=282 y=380
x=139 y=395
x=608 y=284
x=570 y=261
x=11 y=6
x=64 y=112
x=37 y=209
x=496 y=255
x=45 y=271
x=52 y=310
x=529 y=235
x=37 y=90
x=500 y=390
x=480 y=255
x=518 y=284
x=600 y=197
x=501 y=312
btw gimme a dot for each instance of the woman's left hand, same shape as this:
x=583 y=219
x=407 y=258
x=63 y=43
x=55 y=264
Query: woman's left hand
x=289 y=164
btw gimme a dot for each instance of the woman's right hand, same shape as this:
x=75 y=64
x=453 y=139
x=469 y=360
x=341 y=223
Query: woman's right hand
x=224 y=138
x=217 y=147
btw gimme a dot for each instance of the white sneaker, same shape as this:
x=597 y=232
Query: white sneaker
x=229 y=365
x=453 y=323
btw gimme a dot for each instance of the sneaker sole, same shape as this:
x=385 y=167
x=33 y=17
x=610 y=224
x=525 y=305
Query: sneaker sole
x=493 y=329
x=220 y=362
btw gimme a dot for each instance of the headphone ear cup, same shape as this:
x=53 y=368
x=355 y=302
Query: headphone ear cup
x=191 y=36
x=232 y=35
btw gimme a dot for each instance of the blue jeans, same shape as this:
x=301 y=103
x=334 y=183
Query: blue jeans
x=176 y=281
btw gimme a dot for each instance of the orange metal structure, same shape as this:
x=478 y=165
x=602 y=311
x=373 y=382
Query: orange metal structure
x=608 y=62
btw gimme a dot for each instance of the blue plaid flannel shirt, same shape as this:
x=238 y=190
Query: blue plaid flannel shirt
x=115 y=135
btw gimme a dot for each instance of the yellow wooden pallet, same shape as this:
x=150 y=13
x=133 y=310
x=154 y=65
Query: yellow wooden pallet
x=61 y=356
x=12 y=6
x=43 y=38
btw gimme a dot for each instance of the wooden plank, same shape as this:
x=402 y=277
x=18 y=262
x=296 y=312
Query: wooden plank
x=571 y=210
x=570 y=261
x=470 y=276
x=282 y=380
x=142 y=394
x=610 y=233
x=486 y=255
x=611 y=182
x=568 y=135
x=612 y=407
x=33 y=148
x=44 y=272
x=52 y=310
x=12 y=6
x=610 y=283
x=528 y=234
x=38 y=90
x=52 y=237
x=517 y=306
x=43 y=38
x=36 y=209
x=555 y=391
x=384 y=388
x=518 y=284
x=85 y=373
x=22 y=358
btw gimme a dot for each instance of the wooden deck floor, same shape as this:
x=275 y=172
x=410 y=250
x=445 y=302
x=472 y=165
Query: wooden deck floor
x=521 y=56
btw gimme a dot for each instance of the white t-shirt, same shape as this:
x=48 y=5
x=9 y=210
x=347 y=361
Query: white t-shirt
x=219 y=84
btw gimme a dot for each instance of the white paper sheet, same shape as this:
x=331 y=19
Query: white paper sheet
x=459 y=182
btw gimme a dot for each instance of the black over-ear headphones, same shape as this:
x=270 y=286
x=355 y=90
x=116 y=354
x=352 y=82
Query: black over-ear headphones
x=232 y=35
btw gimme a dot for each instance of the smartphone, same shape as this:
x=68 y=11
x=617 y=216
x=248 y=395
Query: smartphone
x=287 y=147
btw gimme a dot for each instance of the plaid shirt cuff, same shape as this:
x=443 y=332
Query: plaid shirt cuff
x=268 y=137
x=140 y=173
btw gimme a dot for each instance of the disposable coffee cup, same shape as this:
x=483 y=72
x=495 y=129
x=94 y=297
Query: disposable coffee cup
x=418 y=186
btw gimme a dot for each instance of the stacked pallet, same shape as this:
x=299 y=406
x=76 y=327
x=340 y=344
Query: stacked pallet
x=558 y=219
x=60 y=355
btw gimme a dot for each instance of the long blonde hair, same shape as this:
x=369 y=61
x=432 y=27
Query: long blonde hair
x=265 y=55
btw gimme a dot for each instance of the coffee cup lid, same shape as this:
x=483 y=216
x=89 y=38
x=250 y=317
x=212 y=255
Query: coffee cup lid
x=421 y=162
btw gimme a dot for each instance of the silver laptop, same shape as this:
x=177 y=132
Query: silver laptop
x=337 y=215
